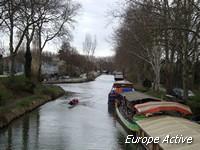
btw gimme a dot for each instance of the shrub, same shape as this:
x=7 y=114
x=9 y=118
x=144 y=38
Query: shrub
x=147 y=83
x=20 y=83
x=5 y=95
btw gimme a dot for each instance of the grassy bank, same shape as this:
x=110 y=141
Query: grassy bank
x=73 y=80
x=19 y=95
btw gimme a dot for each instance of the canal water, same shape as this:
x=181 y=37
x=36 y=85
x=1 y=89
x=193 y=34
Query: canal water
x=56 y=126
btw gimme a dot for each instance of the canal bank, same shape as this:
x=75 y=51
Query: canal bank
x=74 y=80
x=55 y=125
x=24 y=105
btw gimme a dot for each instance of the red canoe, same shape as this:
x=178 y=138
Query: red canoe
x=73 y=102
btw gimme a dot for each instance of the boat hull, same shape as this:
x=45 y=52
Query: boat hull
x=111 y=99
x=131 y=126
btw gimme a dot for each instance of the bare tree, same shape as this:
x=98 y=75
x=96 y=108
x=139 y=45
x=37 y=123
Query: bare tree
x=11 y=19
x=57 y=17
x=89 y=46
x=164 y=34
x=2 y=51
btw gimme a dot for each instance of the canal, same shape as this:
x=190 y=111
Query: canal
x=56 y=126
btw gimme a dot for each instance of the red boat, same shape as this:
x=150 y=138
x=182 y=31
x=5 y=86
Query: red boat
x=73 y=102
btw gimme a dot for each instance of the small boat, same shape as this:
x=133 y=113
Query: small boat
x=73 y=102
x=118 y=88
x=118 y=76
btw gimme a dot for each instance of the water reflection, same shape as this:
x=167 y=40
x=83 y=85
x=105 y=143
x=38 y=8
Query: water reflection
x=88 y=126
x=9 y=138
x=25 y=132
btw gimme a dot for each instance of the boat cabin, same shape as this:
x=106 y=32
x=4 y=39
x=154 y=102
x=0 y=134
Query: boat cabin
x=118 y=88
x=162 y=118
x=130 y=99
x=168 y=128
x=127 y=100
x=118 y=76
x=122 y=86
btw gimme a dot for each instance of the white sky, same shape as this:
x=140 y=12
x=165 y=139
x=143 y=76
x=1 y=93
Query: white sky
x=93 y=18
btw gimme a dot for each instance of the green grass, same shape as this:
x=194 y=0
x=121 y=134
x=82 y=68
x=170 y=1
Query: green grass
x=26 y=101
x=140 y=88
x=50 y=90
x=159 y=94
x=19 y=83
x=19 y=88
x=5 y=95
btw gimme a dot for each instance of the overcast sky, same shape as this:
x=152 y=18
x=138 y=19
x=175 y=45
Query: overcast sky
x=93 y=19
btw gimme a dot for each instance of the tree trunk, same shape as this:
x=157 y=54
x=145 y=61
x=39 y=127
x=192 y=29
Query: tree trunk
x=12 y=69
x=157 y=80
x=185 y=80
x=12 y=54
x=185 y=71
x=1 y=64
x=28 y=60
x=39 y=77
x=169 y=77
x=40 y=55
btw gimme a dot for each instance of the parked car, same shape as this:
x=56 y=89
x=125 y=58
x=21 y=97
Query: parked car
x=178 y=93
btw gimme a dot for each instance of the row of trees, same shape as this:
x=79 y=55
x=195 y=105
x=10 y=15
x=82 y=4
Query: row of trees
x=42 y=20
x=73 y=64
x=159 y=40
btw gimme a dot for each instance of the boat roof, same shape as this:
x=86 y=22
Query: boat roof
x=119 y=76
x=135 y=96
x=161 y=126
x=160 y=106
x=123 y=82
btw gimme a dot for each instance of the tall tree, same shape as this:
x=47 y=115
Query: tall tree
x=165 y=30
x=13 y=13
x=57 y=17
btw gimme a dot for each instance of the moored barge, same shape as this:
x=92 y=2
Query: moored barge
x=124 y=105
x=118 y=88
x=147 y=116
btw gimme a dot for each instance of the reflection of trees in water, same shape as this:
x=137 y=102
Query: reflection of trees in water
x=26 y=135
x=25 y=132
x=9 y=138
x=32 y=119
x=37 y=130
x=111 y=110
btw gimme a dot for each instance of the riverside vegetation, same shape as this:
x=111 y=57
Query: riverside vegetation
x=19 y=95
